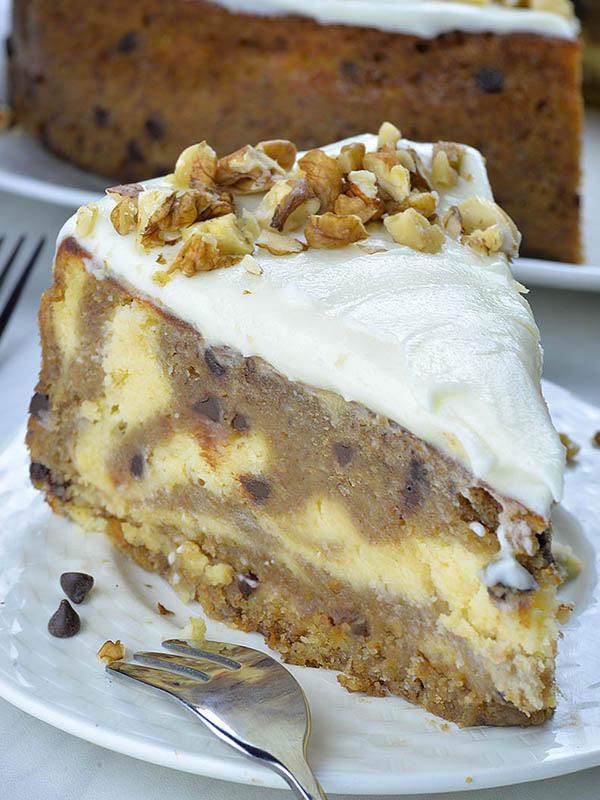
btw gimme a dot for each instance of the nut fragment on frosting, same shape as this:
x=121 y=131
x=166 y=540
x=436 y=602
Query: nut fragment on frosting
x=324 y=176
x=111 y=651
x=330 y=231
x=351 y=157
x=280 y=150
x=248 y=170
x=196 y=166
x=388 y=134
x=86 y=219
x=278 y=244
x=392 y=177
x=287 y=205
x=414 y=230
x=483 y=225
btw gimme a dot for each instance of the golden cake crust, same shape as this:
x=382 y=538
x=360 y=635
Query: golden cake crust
x=148 y=78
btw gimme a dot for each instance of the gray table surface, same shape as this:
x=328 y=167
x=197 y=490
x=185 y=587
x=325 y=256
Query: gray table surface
x=38 y=761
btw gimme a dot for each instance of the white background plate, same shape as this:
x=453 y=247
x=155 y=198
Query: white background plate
x=359 y=745
x=26 y=168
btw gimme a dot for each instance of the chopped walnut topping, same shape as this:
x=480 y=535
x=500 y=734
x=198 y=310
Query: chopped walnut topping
x=198 y=254
x=371 y=249
x=124 y=215
x=388 y=134
x=111 y=651
x=161 y=277
x=195 y=167
x=414 y=230
x=251 y=265
x=124 y=190
x=420 y=178
x=454 y=153
x=163 y=610
x=287 y=205
x=280 y=150
x=279 y=245
x=324 y=176
x=233 y=237
x=392 y=177
x=329 y=231
x=86 y=219
x=361 y=197
x=483 y=225
x=154 y=206
x=570 y=446
x=248 y=170
x=442 y=173
x=423 y=202
x=351 y=157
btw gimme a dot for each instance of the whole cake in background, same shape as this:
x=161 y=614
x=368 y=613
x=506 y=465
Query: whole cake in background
x=307 y=392
x=122 y=88
x=589 y=14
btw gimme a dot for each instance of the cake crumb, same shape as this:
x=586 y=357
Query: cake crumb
x=570 y=446
x=165 y=612
x=111 y=651
x=596 y=439
x=468 y=780
x=567 y=563
x=195 y=629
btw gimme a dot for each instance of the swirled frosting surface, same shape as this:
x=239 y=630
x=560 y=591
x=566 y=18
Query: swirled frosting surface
x=443 y=344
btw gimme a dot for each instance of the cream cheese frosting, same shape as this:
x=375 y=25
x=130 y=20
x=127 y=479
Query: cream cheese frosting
x=426 y=18
x=444 y=344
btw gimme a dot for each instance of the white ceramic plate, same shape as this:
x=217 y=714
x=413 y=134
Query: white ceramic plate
x=26 y=168
x=359 y=745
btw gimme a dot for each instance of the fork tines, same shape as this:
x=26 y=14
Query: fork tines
x=8 y=260
x=244 y=696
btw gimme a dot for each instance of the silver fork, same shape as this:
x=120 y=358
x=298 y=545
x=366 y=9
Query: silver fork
x=245 y=697
x=11 y=259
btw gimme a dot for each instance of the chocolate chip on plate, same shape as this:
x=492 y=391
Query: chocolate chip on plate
x=76 y=585
x=64 y=622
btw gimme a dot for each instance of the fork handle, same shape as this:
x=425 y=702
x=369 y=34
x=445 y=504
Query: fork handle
x=301 y=780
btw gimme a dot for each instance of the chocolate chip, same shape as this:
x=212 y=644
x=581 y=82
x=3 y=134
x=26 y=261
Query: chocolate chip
x=239 y=422
x=259 y=490
x=133 y=151
x=343 y=453
x=136 y=467
x=40 y=405
x=413 y=488
x=214 y=366
x=128 y=42
x=209 y=408
x=489 y=79
x=76 y=585
x=38 y=472
x=101 y=116
x=247 y=583
x=64 y=622
x=155 y=128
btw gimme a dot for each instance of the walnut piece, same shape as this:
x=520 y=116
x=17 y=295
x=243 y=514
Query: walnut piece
x=361 y=197
x=324 y=176
x=111 y=651
x=570 y=446
x=279 y=245
x=233 y=237
x=287 y=205
x=198 y=254
x=414 y=230
x=154 y=206
x=442 y=173
x=196 y=166
x=251 y=265
x=388 y=134
x=86 y=219
x=393 y=178
x=280 y=150
x=483 y=225
x=351 y=157
x=330 y=231
x=124 y=215
x=248 y=170
x=124 y=190
x=420 y=178
x=423 y=202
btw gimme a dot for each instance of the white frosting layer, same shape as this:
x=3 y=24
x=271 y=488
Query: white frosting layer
x=443 y=344
x=427 y=18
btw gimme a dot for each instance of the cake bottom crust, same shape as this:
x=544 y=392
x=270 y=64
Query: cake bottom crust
x=324 y=624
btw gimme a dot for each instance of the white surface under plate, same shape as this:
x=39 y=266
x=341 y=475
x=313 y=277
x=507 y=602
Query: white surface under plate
x=26 y=168
x=359 y=745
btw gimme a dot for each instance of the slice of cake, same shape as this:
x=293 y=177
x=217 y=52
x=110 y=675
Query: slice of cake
x=306 y=391
x=147 y=78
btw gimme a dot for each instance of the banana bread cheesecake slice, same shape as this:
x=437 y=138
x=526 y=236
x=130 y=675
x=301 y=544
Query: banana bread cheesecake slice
x=307 y=392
